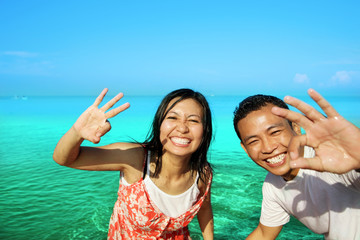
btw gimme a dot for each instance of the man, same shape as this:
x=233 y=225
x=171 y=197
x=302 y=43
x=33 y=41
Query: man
x=327 y=200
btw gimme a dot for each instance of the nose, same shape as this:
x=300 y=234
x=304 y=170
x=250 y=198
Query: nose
x=182 y=127
x=269 y=144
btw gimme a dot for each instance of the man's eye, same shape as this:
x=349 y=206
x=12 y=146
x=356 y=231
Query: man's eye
x=252 y=142
x=275 y=132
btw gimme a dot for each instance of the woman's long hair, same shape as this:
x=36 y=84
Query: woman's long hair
x=198 y=160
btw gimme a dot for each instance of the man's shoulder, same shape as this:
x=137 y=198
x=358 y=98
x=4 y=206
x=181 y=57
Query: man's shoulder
x=273 y=181
x=272 y=177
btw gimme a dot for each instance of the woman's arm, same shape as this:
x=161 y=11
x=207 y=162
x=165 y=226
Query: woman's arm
x=113 y=157
x=206 y=219
x=67 y=149
x=205 y=214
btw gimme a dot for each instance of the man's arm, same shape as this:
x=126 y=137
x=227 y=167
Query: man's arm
x=262 y=232
x=335 y=140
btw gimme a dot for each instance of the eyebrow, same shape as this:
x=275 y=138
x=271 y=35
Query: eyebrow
x=191 y=115
x=268 y=129
x=275 y=126
x=249 y=137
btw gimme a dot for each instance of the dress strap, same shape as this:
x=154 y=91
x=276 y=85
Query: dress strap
x=145 y=165
x=197 y=178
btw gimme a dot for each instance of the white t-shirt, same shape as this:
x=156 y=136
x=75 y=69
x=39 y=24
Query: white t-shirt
x=326 y=203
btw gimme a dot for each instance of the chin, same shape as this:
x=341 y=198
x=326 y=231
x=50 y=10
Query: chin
x=280 y=171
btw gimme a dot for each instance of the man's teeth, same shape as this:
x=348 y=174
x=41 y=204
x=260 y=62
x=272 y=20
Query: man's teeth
x=276 y=159
x=180 y=140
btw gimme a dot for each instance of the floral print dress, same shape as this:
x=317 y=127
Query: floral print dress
x=135 y=216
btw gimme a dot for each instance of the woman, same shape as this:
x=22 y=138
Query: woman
x=165 y=181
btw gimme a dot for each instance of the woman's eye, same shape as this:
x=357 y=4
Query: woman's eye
x=275 y=132
x=194 y=120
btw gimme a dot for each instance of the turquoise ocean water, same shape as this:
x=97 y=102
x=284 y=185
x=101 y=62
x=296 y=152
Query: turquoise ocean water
x=41 y=200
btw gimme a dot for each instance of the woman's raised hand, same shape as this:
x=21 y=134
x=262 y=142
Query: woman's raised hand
x=93 y=123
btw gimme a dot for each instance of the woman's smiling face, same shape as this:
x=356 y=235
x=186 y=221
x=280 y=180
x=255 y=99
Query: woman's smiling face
x=181 y=131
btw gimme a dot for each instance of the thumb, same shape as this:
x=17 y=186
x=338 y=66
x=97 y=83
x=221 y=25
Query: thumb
x=295 y=145
x=308 y=163
x=96 y=139
x=106 y=127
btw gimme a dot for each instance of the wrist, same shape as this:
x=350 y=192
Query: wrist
x=76 y=134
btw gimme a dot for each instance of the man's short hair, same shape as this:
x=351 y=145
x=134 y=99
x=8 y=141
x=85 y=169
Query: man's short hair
x=254 y=103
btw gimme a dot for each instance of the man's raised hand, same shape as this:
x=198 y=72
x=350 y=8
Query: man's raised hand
x=335 y=140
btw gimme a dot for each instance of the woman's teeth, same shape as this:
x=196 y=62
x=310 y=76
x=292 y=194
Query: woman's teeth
x=180 y=140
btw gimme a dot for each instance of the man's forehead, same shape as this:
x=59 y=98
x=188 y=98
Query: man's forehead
x=263 y=112
x=262 y=118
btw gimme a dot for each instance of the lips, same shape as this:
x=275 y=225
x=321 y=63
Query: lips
x=180 y=141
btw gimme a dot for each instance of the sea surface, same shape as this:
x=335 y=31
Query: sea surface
x=42 y=200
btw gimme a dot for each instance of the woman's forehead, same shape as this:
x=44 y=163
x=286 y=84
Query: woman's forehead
x=188 y=104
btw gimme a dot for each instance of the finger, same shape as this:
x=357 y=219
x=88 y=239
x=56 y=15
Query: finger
x=307 y=163
x=96 y=139
x=112 y=102
x=292 y=116
x=296 y=144
x=99 y=99
x=323 y=103
x=106 y=127
x=305 y=108
x=116 y=111
x=297 y=160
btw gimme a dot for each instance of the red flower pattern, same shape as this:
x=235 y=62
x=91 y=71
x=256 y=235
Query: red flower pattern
x=135 y=216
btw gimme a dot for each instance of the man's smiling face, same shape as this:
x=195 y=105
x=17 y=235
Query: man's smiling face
x=265 y=138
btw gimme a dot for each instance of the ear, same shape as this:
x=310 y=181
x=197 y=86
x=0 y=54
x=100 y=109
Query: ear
x=296 y=128
x=243 y=147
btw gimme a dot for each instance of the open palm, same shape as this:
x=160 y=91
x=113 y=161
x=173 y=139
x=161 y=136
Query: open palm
x=93 y=123
x=335 y=140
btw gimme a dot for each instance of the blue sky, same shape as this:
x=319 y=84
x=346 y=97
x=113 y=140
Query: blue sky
x=153 y=47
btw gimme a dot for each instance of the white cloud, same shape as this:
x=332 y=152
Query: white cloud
x=301 y=78
x=20 y=54
x=341 y=77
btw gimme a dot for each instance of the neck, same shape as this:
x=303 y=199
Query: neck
x=174 y=166
x=291 y=174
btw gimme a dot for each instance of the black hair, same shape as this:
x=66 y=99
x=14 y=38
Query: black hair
x=198 y=160
x=254 y=103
